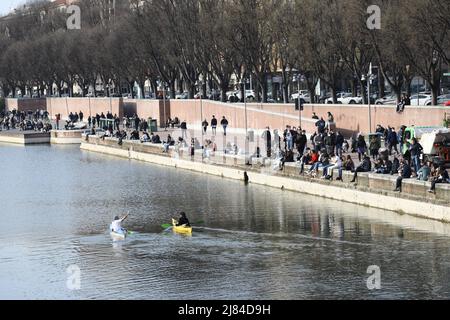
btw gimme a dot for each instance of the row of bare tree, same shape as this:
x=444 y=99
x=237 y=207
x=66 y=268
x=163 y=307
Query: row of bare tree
x=134 y=41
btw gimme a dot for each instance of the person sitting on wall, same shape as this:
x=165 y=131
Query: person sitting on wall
x=134 y=135
x=156 y=139
x=441 y=177
x=306 y=159
x=365 y=166
x=404 y=173
x=424 y=172
x=92 y=133
x=145 y=137
x=168 y=143
x=122 y=135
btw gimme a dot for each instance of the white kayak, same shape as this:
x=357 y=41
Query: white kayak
x=118 y=235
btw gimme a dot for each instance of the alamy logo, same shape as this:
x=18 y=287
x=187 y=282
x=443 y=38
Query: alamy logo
x=374 y=20
x=374 y=281
x=74 y=21
x=74 y=280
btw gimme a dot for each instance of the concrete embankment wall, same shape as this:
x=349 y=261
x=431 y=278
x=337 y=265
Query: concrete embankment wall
x=66 y=136
x=436 y=210
x=349 y=118
x=25 y=138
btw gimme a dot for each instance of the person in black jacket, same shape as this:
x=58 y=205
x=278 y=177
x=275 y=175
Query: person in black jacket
x=205 y=125
x=415 y=151
x=395 y=166
x=392 y=141
x=404 y=173
x=214 y=125
x=224 y=124
x=361 y=146
x=339 y=143
x=183 y=220
x=267 y=136
x=442 y=177
x=301 y=142
x=321 y=125
x=183 y=128
x=365 y=166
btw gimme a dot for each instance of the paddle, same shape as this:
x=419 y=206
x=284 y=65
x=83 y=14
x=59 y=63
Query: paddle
x=167 y=226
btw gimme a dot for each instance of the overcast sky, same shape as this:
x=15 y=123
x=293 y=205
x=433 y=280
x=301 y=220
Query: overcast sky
x=7 y=5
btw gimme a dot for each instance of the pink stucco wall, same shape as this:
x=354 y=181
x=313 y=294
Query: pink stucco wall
x=26 y=104
x=145 y=109
x=89 y=106
x=349 y=118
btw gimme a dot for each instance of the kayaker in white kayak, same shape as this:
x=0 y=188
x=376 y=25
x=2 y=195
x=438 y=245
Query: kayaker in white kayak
x=183 y=220
x=116 y=225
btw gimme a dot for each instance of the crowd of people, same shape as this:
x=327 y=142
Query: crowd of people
x=397 y=157
x=31 y=121
x=325 y=149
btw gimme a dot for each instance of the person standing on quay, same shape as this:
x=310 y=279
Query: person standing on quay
x=58 y=118
x=205 y=125
x=214 y=125
x=224 y=124
x=301 y=142
x=183 y=128
x=267 y=136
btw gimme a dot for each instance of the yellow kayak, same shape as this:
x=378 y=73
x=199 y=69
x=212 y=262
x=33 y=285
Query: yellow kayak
x=181 y=229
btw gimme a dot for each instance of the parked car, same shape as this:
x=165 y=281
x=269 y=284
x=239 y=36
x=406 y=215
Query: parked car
x=302 y=93
x=249 y=94
x=184 y=95
x=421 y=99
x=345 y=98
x=387 y=100
x=304 y=97
x=444 y=100
x=214 y=95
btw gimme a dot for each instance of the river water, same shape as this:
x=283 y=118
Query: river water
x=249 y=242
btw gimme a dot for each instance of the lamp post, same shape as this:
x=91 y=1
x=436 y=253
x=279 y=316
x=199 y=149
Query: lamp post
x=300 y=78
x=369 y=78
x=164 y=103
x=199 y=83
x=243 y=82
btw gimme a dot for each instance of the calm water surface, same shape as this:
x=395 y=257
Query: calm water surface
x=249 y=243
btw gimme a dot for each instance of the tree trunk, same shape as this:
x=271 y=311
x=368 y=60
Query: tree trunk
x=434 y=94
x=142 y=87
x=353 y=83
x=70 y=85
x=191 y=90
x=364 y=91
x=204 y=90
x=265 y=89
x=381 y=87
x=172 y=89
x=223 y=92
x=334 y=95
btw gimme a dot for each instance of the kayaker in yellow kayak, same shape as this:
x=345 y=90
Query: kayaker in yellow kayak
x=183 y=220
